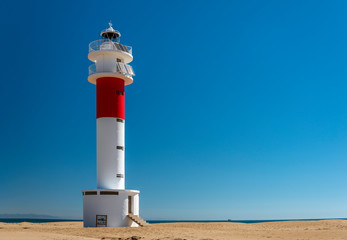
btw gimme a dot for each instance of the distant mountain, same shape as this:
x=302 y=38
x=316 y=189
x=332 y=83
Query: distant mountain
x=31 y=215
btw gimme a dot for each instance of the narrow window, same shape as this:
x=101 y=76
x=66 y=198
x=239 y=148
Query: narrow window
x=119 y=60
x=120 y=92
x=90 y=193
x=120 y=147
x=120 y=175
x=120 y=120
x=108 y=193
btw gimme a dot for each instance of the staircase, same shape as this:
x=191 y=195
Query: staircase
x=138 y=220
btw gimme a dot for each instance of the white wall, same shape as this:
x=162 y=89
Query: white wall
x=110 y=160
x=106 y=63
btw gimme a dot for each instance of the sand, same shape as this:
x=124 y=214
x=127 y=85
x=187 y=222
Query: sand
x=303 y=230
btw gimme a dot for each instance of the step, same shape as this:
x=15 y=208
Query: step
x=138 y=220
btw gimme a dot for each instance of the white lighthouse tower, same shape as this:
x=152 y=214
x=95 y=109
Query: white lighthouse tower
x=110 y=205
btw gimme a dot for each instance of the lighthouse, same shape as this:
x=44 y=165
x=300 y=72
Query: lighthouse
x=110 y=204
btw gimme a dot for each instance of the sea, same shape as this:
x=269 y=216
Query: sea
x=36 y=220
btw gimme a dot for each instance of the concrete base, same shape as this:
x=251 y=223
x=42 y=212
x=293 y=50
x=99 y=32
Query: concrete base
x=109 y=208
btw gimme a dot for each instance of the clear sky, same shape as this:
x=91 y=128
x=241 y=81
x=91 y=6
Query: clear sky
x=238 y=108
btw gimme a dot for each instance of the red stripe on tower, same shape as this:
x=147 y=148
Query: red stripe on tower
x=110 y=97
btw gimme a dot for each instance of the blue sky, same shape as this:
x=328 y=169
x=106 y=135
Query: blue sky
x=237 y=111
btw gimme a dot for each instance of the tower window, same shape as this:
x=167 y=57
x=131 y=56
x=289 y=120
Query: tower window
x=120 y=92
x=119 y=60
x=120 y=147
x=120 y=120
x=120 y=175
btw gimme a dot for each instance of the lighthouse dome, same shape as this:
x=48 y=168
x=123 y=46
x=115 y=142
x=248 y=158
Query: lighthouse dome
x=110 y=33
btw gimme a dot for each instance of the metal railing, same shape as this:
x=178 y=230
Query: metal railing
x=108 y=45
x=121 y=68
x=92 y=69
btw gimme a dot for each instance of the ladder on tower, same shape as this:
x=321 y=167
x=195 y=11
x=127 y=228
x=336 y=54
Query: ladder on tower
x=138 y=220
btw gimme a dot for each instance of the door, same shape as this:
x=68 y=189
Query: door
x=130 y=204
x=101 y=220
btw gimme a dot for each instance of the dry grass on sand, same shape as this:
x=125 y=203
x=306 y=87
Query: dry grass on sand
x=325 y=229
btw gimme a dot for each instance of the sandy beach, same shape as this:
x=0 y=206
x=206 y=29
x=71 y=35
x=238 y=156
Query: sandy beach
x=303 y=230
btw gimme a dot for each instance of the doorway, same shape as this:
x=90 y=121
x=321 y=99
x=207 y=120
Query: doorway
x=130 y=204
x=101 y=220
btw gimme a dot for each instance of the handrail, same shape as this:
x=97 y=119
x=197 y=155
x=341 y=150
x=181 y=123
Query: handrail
x=108 y=45
x=121 y=68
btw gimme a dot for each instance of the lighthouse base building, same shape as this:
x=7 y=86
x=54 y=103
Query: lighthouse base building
x=110 y=205
x=110 y=208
